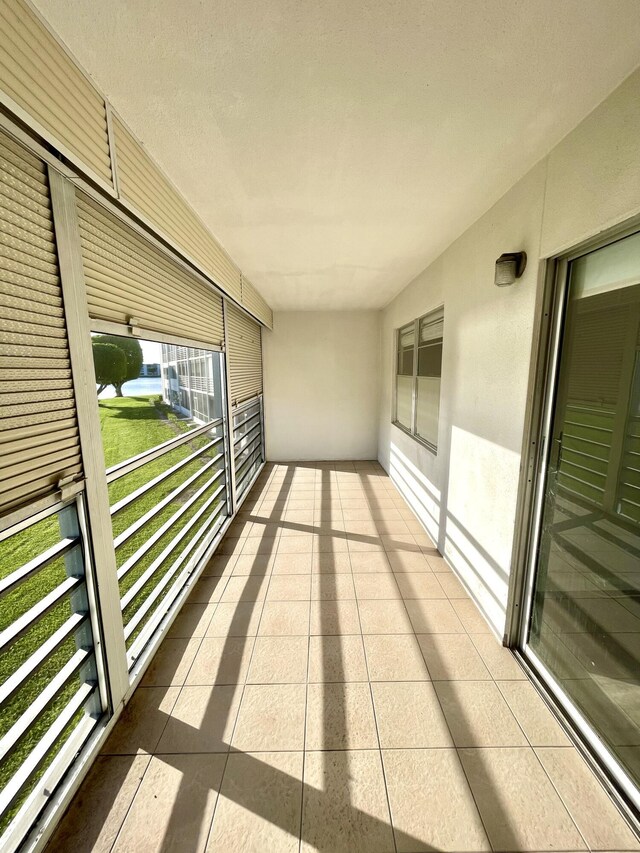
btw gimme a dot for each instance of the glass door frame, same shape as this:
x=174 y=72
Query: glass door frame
x=549 y=325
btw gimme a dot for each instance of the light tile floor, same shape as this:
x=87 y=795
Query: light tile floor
x=329 y=686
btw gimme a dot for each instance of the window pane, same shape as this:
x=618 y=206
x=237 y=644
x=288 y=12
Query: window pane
x=428 y=408
x=430 y=360
x=432 y=327
x=167 y=509
x=403 y=400
x=149 y=393
x=584 y=621
x=406 y=342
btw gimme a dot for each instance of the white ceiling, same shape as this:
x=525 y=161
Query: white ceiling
x=335 y=147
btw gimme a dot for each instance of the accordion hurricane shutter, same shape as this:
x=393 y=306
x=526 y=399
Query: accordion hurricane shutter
x=38 y=429
x=143 y=185
x=253 y=302
x=127 y=276
x=244 y=351
x=40 y=78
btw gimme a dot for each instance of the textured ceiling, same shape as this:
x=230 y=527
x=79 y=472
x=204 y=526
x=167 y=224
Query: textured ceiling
x=335 y=147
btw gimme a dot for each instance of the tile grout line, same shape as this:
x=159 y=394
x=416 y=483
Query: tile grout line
x=242 y=686
x=153 y=753
x=466 y=631
x=226 y=759
x=446 y=722
x=126 y=814
x=375 y=721
x=306 y=696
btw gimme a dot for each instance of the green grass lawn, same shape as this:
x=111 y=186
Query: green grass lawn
x=129 y=426
x=141 y=430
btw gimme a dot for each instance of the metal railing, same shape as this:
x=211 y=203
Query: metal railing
x=52 y=695
x=248 y=443
x=167 y=505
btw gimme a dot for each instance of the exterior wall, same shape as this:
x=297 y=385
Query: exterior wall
x=466 y=494
x=321 y=381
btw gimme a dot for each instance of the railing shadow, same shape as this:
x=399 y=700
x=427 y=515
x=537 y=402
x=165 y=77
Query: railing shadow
x=336 y=769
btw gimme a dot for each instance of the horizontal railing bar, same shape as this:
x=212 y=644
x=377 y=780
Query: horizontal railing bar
x=10 y=740
x=128 y=533
x=165 y=474
x=254 y=474
x=166 y=552
x=254 y=401
x=256 y=449
x=27 y=515
x=248 y=432
x=43 y=747
x=246 y=419
x=47 y=783
x=39 y=562
x=255 y=458
x=242 y=461
x=251 y=446
x=240 y=486
x=153 y=595
x=149 y=629
x=122 y=468
x=244 y=423
x=21 y=625
x=135 y=558
x=248 y=460
x=35 y=661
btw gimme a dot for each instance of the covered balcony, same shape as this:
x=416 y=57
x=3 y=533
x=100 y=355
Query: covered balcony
x=320 y=427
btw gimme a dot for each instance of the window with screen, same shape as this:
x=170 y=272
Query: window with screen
x=404 y=375
x=418 y=377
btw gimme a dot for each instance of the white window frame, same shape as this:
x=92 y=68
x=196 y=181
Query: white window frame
x=431 y=316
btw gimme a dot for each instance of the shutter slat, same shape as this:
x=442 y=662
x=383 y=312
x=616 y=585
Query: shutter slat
x=144 y=185
x=41 y=384
x=33 y=419
x=54 y=318
x=36 y=406
x=39 y=442
x=22 y=180
x=597 y=352
x=29 y=490
x=39 y=76
x=21 y=397
x=55 y=329
x=18 y=343
x=11 y=224
x=26 y=466
x=21 y=287
x=126 y=276
x=34 y=429
x=254 y=302
x=12 y=201
x=244 y=351
x=40 y=362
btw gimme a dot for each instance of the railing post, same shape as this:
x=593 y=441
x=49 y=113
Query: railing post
x=85 y=636
x=264 y=445
x=231 y=485
x=100 y=533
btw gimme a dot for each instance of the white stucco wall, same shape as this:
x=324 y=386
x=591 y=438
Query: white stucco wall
x=321 y=383
x=466 y=495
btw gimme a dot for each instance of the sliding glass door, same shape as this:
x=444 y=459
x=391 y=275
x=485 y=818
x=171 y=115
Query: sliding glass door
x=582 y=626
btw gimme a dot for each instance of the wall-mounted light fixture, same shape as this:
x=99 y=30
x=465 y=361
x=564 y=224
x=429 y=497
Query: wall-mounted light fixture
x=509 y=267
